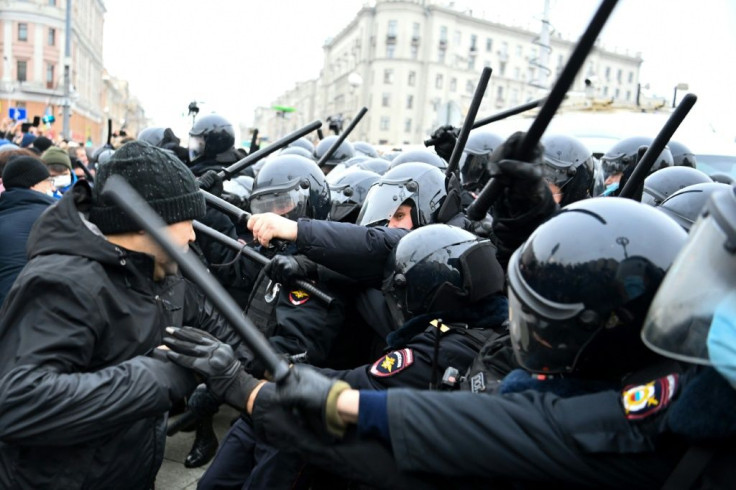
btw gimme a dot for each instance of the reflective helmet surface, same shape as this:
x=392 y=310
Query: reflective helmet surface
x=578 y=305
x=625 y=153
x=348 y=192
x=419 y=184
x=210 y=135
x=153 y=136
x=685 y=205
x=297 y=150
x=378 y=165
x=343 y=152
x=474 y=172
x=291 y=186
x=365 y=149
x=663 y=183
x=302 y=143
x=681 y=155
x=563 y=155
x=418 y=156
x=440 y=268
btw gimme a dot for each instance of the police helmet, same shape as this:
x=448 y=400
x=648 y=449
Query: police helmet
x=570 y=165
x=440 y=268
x=348 y=192
x=291 y=186
x=102 y=155
x=681 y=155
x=663 y=183
x=421 y=156
x=578 y=306
x=685 y=205
x=210 y=136
x=419 y=184
x=342 y=167
x=153 y=136
x=624 y=154
x=343 y=152
x=297 y=150
x=302 y=143
x=378 y=165
x=365 y=149
x=474 y=172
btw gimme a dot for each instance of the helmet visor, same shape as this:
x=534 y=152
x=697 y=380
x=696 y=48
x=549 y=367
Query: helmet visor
x=693 y=316
x=290 y=202
x=613 y=164
x=472 y=169
x=556 y=172
x=383 y=200
x=196 y=147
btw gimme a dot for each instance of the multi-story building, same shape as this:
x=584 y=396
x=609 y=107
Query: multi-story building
x=415 y=64
x=32 y=40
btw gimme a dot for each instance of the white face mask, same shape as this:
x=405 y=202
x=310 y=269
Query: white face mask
x=61 y=181
x=50 y=193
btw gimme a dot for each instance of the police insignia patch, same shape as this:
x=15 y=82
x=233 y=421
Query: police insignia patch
x=298 y=297
x=644 y=400
x=392 y=363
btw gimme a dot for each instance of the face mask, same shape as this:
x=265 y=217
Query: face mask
x=722 y=339
x=51 y=193
x=61 y=181
x=610 y=189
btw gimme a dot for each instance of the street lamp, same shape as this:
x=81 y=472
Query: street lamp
x=679 y=86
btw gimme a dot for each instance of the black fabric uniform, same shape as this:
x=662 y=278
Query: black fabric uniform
x=83 y=404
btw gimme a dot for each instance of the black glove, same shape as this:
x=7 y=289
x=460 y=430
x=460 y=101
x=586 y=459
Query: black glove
x=315 y=395
x=202 y=402
x=211 y=182
x=214 y=361
x=179 y=382
x=444 y=139
x=286 y=269
x=483 y=228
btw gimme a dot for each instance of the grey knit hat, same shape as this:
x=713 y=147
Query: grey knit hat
x=159 y=177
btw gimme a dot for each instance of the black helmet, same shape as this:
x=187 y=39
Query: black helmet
x=685 y=205
x=302 y=143
x=421 y=156
x=378 y=165
x=210 y=136
x=570 y=165
x=681 y=154
x=625 y=153
x=578 y=305
x=366 y=149
x=292 y=186
x=343 y=152
x=663 y=183
x=153 y=136
x=419 y=183
x=348 y=191
x=297 y=150
x=440 y=268
x=474 y=172
x=102 y=155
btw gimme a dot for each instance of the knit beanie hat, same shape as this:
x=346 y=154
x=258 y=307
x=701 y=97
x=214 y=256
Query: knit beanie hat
x=159 y=177
x=42 y=143
x=23 y=171
x=56 y=155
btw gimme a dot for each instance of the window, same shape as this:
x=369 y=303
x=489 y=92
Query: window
x=415 y=31
x=517 y=73
x=501 y=68
x=519 y=50
x=457 y=38
x=52 y=3
x=438 y=81
x=499 y=93
x=385 y=123
x=412 y=78
x=489 y=44
x=504 y=48
x=414 y=51
x=628 y=95
x=409 y=101
x=617 y=93
x=469 y=86
x=441 y=56
x=471 y=62
x=390 y=50
x=443 y=34
x=473 y=42
x=22 y=31
x=514 y=96
x=50 y=76
x=605 y=91
x=407 y=125
x=608 y=73
x=52 y=36
x=388 y=76
x=386 y=99
x=453 y=84
x=391 y=28
x=619 y=75
x=631 y=76
x=21 y=70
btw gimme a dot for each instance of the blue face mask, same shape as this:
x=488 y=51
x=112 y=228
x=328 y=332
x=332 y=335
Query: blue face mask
x=610 y=189
x=722 y=339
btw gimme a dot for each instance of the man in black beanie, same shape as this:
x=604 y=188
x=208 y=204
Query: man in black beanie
x=83 y=399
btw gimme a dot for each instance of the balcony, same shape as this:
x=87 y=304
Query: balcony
x=390 y=38
x=415 y=40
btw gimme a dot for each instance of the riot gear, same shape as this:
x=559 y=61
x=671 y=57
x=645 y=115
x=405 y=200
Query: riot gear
x=440 y=268
x=297 y=150
x=578 y=307
x=348 y=192
x=422 y=156
x=291 y=186
x=663 y=183
x=340 y=168
x=568 y=164
x=153 y=136
x=685 y=205
x=365 y=149
x=343 y=152
x=378 y=165
x=210 y=136
x=474 y=172
x=623 y=155
x=302 y=143
x=681 y=154
x=418 y=184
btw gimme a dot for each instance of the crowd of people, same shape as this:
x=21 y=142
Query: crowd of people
x=577 y=336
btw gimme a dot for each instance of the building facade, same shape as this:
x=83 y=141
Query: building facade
x=415 y=64
x=32 y=41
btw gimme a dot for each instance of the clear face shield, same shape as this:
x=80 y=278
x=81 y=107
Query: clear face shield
x=196 y=147
x=384 y=199
x=289 y=201
x=472 y=169
x=693 y=315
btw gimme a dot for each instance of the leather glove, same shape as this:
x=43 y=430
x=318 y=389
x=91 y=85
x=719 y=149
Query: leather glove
x=286 y=269
x=211 y=182
x=202 y=402
x=483 y=228
x=179 y=382
x=445 y=138
x=214 y=361
x=315 y=395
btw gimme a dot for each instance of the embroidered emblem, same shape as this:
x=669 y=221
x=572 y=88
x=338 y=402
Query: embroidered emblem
x=644 y=400
x=298 y=297
x=392 y=363
x=478 y=383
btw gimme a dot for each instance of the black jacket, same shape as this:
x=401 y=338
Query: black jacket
x=19 y=209
x=83 y=404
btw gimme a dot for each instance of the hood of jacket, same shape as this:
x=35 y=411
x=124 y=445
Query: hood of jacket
x=17 y=196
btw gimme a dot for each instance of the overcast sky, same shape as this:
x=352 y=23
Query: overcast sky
x=235 y=55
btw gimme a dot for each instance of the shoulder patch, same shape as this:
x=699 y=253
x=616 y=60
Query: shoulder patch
x=392 y=363
x=641 y=401
x=298 y=297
